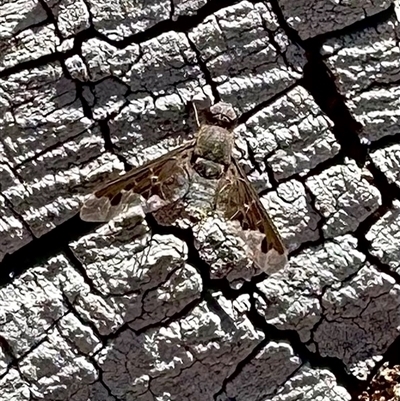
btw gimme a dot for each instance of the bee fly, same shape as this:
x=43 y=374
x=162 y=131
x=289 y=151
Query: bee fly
x=201 y=176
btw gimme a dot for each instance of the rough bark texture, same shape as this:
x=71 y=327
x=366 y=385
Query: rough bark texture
x=131 y=311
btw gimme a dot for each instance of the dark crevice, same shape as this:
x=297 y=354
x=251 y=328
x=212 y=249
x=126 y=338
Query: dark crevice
x=210 y=285
x=88 y=5
x=172 y=10
x=15 y=361
x=271 y=177
x=90 y=358
x=239 y=368
x=334 y=365
x=50 y=148
x=364 y=245
x=389 y=191
x=206 y=72
x=252 y=158
x=103 y=124
x=8 y=353
x=338 y=159
x=39 y=250
x=183 y=23
x=108 y=339
x=105 y=131
x=83 y=321
x=369 y=22
x=242 y=119
x=20 y=218
x=292 y=34
x=58 y=56
x=391 y=356
x=87 y=109
x=320 y=82
x=385 y=142
x=50 y=17
x=93 y=361
x=377 y=85
x=312 y=201
x=77 y=264
x=166 y=322
x=185 y=235
x=36 y=63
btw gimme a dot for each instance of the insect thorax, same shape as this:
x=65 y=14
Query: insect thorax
x=212 y=153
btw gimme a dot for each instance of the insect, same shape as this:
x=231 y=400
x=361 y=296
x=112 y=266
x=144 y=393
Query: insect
x=195 y=179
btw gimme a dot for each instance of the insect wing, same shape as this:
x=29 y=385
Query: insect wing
x=240 y=203
x=159 y=182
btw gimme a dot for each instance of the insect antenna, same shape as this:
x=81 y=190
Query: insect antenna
x=196 y=114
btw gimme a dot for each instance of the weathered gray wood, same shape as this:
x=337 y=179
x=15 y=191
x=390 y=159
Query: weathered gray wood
x=123 y=312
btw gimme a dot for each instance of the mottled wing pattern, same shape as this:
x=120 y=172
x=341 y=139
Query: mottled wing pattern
x=239 y=202
x=159 y=182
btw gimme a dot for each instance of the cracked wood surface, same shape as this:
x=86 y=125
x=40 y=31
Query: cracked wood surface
x=130 y=310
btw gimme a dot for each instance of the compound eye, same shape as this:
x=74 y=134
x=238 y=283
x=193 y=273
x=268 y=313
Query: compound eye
x=223 y=112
